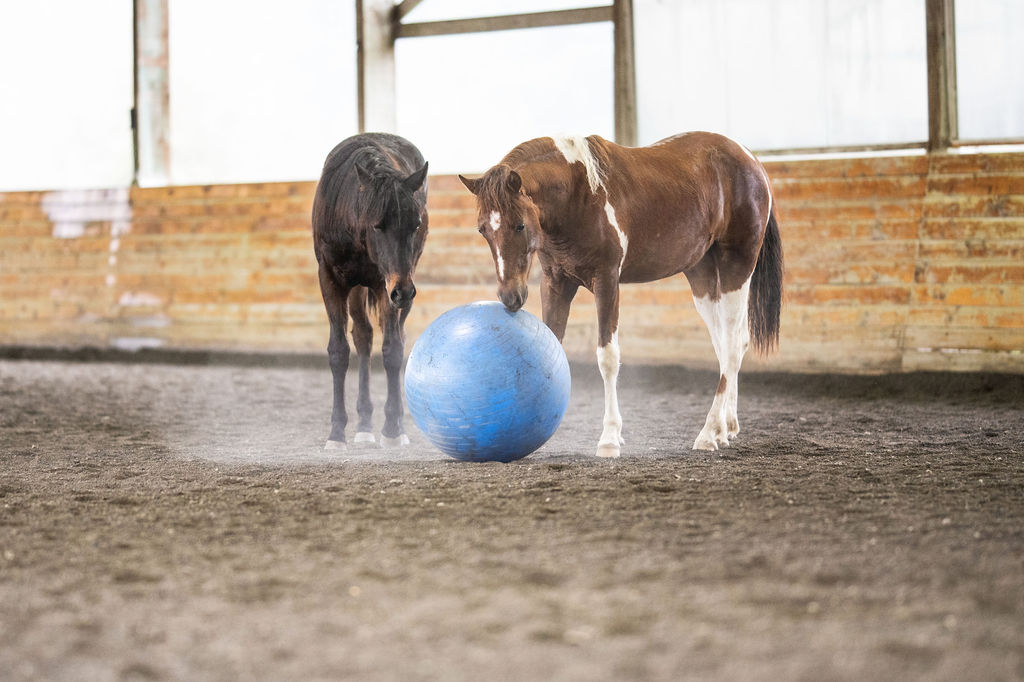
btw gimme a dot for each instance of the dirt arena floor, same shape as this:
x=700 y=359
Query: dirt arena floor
x=180 y=521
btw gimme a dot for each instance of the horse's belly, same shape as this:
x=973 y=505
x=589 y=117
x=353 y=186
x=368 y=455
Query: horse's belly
x=658 y=260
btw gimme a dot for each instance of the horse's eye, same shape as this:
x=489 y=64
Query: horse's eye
x=379 y=227
x=520 y=227
x=481 y=229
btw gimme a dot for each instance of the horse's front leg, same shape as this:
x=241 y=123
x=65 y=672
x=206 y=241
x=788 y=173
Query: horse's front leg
x=336 y=302
x=556 y=294
x=606 y=295
x=362 y=339
x=393 y=350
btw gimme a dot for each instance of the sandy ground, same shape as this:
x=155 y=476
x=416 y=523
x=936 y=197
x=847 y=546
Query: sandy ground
x=174 y=521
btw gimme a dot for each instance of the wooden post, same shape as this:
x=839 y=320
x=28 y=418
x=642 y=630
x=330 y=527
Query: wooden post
x=625 y=74
x=941 y=46
x=151 y=114
x=375 y=65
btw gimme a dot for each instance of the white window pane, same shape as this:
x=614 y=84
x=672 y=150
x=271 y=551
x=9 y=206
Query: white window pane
x=783 y=73
x=260 y=90
x=466 y=100
x=990 y=68
x=65 y=94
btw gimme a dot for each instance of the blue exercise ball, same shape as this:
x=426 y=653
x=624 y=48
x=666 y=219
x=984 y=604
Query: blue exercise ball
x=487 y=385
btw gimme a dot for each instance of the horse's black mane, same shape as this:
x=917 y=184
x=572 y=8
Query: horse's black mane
x=346 y=196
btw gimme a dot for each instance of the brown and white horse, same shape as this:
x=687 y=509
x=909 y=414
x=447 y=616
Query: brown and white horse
x=369 y=229
x=599 y=215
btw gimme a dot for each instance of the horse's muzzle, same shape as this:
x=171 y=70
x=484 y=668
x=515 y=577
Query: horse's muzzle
x=513 y=298
x=401 y=296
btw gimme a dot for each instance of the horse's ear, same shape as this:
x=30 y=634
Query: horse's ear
x=471 y=185
x=514 y=182
x=416 y=180
x=365 y=176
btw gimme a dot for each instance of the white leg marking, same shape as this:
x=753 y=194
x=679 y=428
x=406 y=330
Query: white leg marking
x=396 y=442
x=623 y=239
x=577 y=149
x=726 y=320
x=611 y=435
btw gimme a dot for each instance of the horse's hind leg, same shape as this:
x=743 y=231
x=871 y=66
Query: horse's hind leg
x=726 y=319
x=362 y=337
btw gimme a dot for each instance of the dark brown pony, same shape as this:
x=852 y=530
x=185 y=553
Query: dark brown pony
x=598 y=215
x=369 y=227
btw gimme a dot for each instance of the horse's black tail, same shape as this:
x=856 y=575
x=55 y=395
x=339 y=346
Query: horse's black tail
x=765 y=300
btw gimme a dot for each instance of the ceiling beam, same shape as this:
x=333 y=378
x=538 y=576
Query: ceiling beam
x=506 y=22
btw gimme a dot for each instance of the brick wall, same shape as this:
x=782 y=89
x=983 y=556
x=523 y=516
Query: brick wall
x=893 y=264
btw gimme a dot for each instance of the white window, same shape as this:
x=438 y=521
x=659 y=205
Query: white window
x=990 y=69
x=66 y=90
x=783 y=73
x=260 y=90
x=465 y=100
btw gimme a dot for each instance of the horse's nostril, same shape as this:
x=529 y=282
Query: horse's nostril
x=402 y=297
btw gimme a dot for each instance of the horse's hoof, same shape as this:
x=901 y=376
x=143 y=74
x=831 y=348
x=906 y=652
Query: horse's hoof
x=704 y=443
x=396 y=442
x=336 y=445
x=365 y=439
x=608 y=450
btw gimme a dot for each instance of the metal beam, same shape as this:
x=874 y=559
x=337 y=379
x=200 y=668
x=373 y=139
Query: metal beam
x=151 y=112
x=941 y=46
x=508 y=22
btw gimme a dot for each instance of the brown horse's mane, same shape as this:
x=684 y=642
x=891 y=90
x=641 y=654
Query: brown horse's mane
x=493 y=188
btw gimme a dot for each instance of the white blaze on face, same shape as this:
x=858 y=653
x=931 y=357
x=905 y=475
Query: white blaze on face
x=495 y=225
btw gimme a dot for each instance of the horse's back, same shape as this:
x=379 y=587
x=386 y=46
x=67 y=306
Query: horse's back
x=681 y=195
